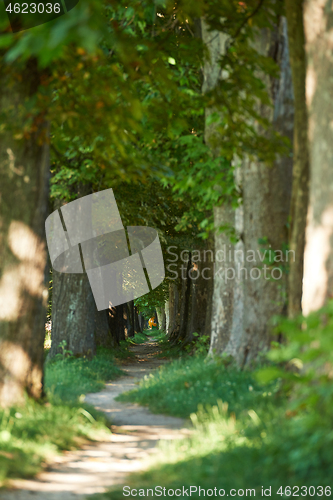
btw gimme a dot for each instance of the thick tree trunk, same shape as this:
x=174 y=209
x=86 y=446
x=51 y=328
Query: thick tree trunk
x=300 y=189
x=223 y=285
x=24 y=174
x=73 y=309
x=73 y=314
x=318 y=258
x=235 y=335
x=266 y=200
x=224 y=282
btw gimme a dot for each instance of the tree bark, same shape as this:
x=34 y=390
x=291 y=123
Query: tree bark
x=180 y=333
x=318 y=258
x=130 y=319
x=137 y=327
x=173 y=307
x=224 y=282
x=200 y=282
x=167 y=315
x=73 y=315
x=102 y=332
x=161 y=317
x=141 y=322
x=223 y=288
x=235 y=335
x=209 y=277
x=73 y=309
x=116 y=323
x=300 y=186
x=24 y=176
x=266 y=200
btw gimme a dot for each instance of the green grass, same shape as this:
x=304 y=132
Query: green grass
x=243 y=454
x=139 y=338
x=156 y=334
x=148 y=335
x=248 y=441
x=167 y=350
x=179 y=387
x=31 y=434
x=68 y=378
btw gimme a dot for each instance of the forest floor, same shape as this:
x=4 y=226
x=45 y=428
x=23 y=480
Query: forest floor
x=99 y=465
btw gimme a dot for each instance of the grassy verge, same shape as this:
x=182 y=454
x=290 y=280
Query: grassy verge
x=239 y=457
x=69 y=378
x=179 y=387
x=251 y=440
x=31 y=434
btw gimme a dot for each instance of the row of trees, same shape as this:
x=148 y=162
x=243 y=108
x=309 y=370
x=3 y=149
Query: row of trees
x=283 y=221
x=198 y=121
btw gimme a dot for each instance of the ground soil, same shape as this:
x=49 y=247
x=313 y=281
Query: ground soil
x=99 y=465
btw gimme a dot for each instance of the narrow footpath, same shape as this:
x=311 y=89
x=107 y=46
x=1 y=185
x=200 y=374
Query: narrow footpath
x=100 y=465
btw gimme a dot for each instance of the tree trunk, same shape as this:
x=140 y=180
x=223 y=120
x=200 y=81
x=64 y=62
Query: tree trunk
x=300 y=189
x=117 y=324
x=223 y=287
x=266 y=200
x=224 y=282
x=161 y=317
x=200 y=280
x=24 y=175
x=73 y=315
x=318 y=258
x=141 y=322
x=181 y=333
x=137 y=327
x=173 y=307
x=167 y=315
x=235 y=335
x=102 y=332
x=73 y=309
x=208 y=270
x=130 y=319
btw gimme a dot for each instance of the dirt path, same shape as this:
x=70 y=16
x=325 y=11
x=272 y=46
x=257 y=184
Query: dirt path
x=97 y=466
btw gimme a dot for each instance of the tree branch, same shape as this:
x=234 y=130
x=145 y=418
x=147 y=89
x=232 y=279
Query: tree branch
x=253 y=13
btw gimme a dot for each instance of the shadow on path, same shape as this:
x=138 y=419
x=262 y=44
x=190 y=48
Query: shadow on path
x=99 y=465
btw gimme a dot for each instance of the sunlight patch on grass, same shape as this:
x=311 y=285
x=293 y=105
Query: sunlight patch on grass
x=179 y=387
